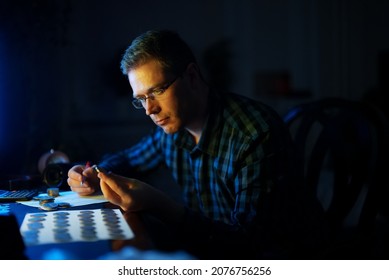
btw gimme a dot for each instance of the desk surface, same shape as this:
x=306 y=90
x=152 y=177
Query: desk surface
x=84 y=250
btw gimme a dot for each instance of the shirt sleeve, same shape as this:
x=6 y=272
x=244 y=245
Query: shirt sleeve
x=142 y=157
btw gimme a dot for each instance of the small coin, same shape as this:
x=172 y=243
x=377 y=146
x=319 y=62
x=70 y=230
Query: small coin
x=62 y=236
x=38 y=215
x=54 y=192
x=47 y=199
x=35 y=225
x=63 y=205
x=36 y=219
x=50 y=206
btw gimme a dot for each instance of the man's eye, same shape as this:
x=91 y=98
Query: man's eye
x=158 y=91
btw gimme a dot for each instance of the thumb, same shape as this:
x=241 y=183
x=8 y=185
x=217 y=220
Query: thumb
x=115 y=182
x=109 y=176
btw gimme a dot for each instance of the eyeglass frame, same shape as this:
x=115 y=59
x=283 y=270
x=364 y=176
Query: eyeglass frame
x=139 y=102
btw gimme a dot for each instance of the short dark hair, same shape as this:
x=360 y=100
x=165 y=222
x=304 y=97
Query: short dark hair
x=165 y=46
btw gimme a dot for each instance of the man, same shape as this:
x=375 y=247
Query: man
x=230 y=155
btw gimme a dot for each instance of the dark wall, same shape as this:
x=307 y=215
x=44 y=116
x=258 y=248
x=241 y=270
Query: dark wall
x=32 y=36
x=61 y=87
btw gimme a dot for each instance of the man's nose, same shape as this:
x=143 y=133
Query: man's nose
x=151 y=106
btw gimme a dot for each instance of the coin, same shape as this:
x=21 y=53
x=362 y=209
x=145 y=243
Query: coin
x=49 y=206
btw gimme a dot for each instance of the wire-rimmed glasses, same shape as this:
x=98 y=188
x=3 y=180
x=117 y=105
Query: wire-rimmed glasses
x=140 y=102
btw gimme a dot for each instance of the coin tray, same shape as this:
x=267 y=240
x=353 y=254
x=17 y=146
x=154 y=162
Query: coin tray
x=74 y=225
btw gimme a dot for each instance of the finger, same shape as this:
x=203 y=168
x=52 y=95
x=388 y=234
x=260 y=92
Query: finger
x=75 y=185
x=76 y=172
x=87 y=171
x=109 y=194
x=82 y=190
x=114 y=182
x=73 y=182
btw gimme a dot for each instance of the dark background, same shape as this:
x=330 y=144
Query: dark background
x=61 y=87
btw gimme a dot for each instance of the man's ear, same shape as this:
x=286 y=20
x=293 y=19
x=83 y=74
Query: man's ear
x=193 y=72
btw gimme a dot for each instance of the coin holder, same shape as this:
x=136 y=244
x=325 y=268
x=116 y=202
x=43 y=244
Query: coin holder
x=63 y=226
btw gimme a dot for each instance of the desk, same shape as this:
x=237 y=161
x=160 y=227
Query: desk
x=84 y=250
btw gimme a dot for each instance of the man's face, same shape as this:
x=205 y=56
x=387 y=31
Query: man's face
x=170 y=110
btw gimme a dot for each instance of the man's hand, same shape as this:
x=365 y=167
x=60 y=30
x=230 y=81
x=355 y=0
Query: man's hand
x=134 y=195
x=83 y=180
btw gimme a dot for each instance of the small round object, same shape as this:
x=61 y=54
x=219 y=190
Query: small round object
x=35 y=225
x=54 y=192
x=91 y=236
x=46 y=200
x=36 y=219
x=50 y=206
x=62 y=236
x=61 y=214
x=61 y=224
x=85 y=222
x=63 y=205
x=60 y=229
x=43 y=196
x=30 y=233
x=31 y=240
x=87 y=211
x=38 y=215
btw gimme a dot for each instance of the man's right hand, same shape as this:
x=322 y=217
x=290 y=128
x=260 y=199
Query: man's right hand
x=83 y=180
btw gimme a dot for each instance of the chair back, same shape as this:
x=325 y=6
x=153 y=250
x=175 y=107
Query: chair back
x=341 y=148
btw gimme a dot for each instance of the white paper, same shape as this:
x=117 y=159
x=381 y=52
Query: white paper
x=73 y=198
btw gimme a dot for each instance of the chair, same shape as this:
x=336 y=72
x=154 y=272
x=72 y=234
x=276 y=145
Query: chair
x=341 y=149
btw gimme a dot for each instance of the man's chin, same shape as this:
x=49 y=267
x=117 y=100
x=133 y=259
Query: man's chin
x=169 y=129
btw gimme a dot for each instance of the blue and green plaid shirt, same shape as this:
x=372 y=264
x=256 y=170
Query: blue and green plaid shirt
x=241 y=155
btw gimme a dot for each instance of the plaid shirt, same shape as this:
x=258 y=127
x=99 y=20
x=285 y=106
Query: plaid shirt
x=240 y=156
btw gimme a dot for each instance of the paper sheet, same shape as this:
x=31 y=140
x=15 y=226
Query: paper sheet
x=73 y=198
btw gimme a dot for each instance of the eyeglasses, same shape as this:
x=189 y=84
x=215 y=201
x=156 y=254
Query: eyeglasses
x=140 y=102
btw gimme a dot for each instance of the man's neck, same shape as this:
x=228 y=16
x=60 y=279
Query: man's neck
x=196 y=134
x=197 y=126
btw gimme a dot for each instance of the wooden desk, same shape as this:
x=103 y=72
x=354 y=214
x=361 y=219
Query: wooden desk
x=84 y=250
